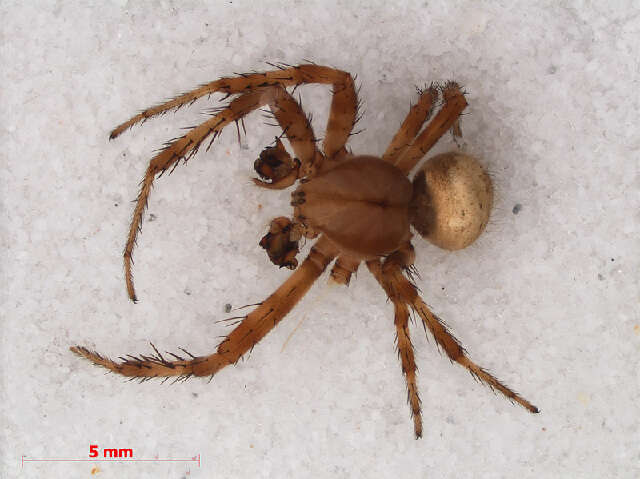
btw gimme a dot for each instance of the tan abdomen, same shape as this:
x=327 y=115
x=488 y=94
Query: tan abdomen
x=361 y=205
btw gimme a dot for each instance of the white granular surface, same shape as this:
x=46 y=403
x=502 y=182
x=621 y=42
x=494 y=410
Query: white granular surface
x=548 y=299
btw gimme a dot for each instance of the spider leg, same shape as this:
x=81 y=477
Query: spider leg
x=343 y=105
x=418 y=114
x=243 y=338
x=297 y=129
x=343 y=115
x=343 y=268
x=404 y=345
x=397 y=285
x=447 y=118
x=456 y=353
x=184 y=148
x=286 y=111
x=409 y=368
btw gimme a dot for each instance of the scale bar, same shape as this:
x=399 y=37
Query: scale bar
x=192 y=459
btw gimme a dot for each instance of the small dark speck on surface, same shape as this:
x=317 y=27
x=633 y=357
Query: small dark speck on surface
x=600 y=277
x=516 y=209
x=195 y=395
x=612 y=259
x=227 y=308
x=552 y=69
x=152 y=217
x=187 y=291
x=115 y=204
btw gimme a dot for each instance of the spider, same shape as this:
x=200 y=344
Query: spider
x=358 y=208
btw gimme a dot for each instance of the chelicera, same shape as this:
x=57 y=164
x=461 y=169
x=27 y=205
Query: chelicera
x=357 y=208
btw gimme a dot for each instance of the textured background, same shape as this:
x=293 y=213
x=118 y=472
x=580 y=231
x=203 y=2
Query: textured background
x=548 y=298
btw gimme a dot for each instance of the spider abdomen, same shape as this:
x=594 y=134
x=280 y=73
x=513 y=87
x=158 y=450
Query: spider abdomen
x=361 y=205
x=453 y=197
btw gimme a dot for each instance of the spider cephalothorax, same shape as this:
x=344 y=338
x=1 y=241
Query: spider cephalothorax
x=358 y=207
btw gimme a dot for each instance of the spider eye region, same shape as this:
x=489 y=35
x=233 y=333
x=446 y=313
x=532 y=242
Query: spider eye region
x=361 y=205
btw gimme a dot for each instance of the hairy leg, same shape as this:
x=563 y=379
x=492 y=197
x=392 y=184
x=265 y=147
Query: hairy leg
x=395 y=283
x=418 y=114
x=244 y=337
x=297 y=129
x=274 y=162
x=183 y=148
x=342 y=116
x=343 y=106
x=457 y=353
x=446 y=118
x=405 y=347
x=286 y=111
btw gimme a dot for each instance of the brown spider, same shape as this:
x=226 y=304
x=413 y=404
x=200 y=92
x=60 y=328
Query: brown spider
x=358 y=208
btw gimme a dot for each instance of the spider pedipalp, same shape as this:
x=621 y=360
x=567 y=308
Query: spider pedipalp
x=281 y=242
x=277 y=166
